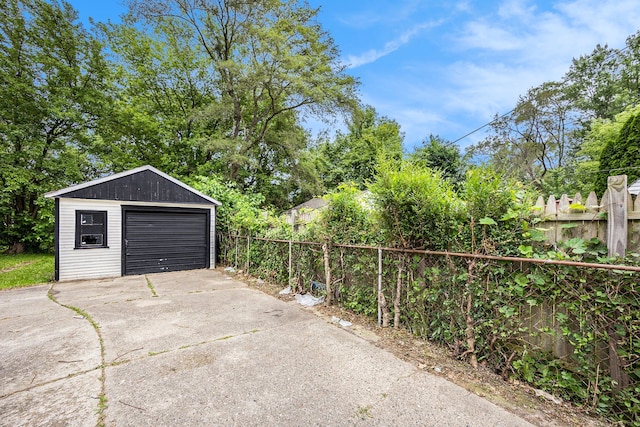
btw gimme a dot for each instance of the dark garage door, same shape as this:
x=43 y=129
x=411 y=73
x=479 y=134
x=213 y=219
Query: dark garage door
x=168 y=240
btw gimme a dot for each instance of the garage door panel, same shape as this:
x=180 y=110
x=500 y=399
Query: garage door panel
x=157 y=241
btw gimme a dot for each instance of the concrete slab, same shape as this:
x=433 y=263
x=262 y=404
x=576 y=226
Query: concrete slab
x=49 y=362
x=207 y=350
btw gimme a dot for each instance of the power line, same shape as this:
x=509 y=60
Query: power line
x=614 y=52
x=483 y=126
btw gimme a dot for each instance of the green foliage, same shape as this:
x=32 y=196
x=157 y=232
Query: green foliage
x=497 y=213
x=354 y=157
x=243 y=74
x=601 y=133
x=347 y=219
x=52 y=90
x=436 y=153
x=622 y=155
x=239 y=212
x=553 y=138
x=416 y=207
x=532 y=139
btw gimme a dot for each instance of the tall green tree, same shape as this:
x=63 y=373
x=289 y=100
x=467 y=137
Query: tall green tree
x=353 y=157
x=437 y=153
x=52 y=85
x=162 y=85
x=268 y=64
x=622 y=155
x=534 y=138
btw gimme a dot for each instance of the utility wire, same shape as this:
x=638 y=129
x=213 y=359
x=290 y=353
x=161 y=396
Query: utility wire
x=615 y=51
x=483 y=126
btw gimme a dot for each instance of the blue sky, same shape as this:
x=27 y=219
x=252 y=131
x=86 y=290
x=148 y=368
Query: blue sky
x=447 y=67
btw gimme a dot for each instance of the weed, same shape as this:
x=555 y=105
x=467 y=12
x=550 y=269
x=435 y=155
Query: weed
x=364 y=412
x=150 y=285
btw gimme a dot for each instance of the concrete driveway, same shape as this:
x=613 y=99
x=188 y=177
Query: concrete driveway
x=206 y=351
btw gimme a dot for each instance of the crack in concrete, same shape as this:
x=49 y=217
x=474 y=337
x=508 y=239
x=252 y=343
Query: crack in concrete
x=54 y=380
x=102 y=398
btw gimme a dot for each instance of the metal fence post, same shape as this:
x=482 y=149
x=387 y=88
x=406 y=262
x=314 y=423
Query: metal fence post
x=379 y=285
x=235 y=264
x=248 y=251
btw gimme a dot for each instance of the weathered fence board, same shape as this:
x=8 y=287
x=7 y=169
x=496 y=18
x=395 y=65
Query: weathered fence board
x=615 y=219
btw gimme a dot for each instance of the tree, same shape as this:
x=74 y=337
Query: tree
x=52 y=84
x=437 y=153
x=416 y=207
x=534 y=137
x=268 y=63
x=622 y=155
x=603 y=83
x=592 y=84
x=586 y=160
x=162 y=88
x=353 y=157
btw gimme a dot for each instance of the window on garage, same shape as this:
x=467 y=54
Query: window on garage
x=91 y=229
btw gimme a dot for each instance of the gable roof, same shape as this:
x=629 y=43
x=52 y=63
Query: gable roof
x=143 y=184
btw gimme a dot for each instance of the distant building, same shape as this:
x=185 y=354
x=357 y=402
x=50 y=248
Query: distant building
x=635 y=188
x=305 y=212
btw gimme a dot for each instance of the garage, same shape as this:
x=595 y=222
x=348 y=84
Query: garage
x=165 y=240
x=134 y=222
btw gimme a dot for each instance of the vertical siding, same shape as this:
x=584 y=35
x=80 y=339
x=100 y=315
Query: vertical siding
x=89 y=263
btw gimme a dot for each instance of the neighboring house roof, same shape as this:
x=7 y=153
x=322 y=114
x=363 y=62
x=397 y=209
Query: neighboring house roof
x=305 y=211
x=315 y=203
x=635 y=188
x=121 y=186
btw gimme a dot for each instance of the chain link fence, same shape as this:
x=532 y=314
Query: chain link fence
x=567 y=327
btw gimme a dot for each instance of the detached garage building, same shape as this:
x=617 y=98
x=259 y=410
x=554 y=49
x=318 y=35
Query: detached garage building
x=134 y=222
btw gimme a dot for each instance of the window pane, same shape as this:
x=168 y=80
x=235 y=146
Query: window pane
x=92 y=219
x=91 y=240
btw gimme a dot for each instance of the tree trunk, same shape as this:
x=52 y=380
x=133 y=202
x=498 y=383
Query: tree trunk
x=15 y=249
x=385 y=310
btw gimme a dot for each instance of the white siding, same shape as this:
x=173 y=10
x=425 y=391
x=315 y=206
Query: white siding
x=103 y=262
x=89 y=263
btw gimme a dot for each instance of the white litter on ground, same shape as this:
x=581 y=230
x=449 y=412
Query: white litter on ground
x=285 y=291
x=309 y=300
x=341 y=322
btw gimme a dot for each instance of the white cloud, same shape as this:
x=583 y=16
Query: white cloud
x=516 y=9
x=372 y=55
x=484 y=35
x=518 y=48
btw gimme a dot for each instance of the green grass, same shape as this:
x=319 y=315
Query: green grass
x=25 y=270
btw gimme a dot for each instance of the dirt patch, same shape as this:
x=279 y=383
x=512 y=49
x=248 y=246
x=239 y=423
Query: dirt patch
x=17 y=266
x=514 y=396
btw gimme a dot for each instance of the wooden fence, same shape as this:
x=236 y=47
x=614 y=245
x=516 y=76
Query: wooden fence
x=614 y=219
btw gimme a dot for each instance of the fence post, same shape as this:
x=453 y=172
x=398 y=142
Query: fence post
x=293 y=229
x=379 y=285
x=617 y=216
x=248 y=251
x=236 y=262
x=290 y=261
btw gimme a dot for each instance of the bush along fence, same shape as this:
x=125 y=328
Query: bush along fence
x=570 y=328
x=615 y=219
